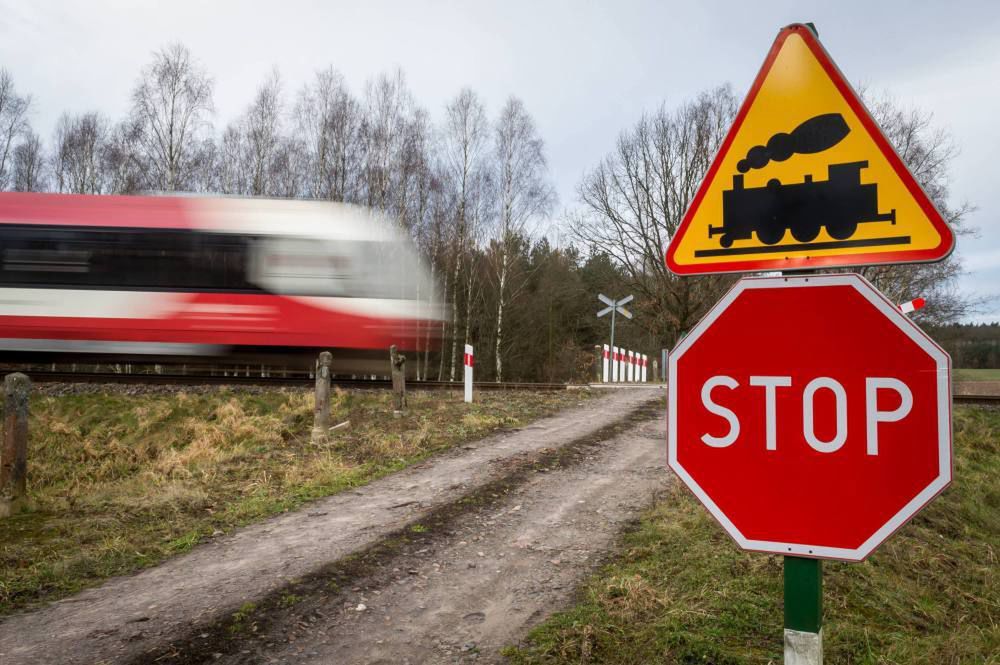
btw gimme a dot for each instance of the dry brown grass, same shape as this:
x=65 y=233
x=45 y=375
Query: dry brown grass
x=119 y=482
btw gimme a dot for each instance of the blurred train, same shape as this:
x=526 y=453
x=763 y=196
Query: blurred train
x=185 y=279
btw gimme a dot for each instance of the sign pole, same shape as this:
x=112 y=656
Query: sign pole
x=803 y=611
x=615 y=307
x=615 y=360
x=803 y=598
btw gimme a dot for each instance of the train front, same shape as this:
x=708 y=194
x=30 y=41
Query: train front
x=334 y=276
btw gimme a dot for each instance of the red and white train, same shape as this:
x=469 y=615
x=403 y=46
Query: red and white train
x=184 y=277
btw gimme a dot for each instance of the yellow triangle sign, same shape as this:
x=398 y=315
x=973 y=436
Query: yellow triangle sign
x=805 y=179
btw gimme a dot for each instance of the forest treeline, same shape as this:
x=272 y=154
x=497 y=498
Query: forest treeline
x=970 y=345
x=471 y=188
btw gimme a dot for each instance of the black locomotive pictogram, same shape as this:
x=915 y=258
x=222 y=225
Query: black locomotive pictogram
x=839 y=204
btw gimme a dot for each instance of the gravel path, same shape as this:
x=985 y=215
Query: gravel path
x=129 y=618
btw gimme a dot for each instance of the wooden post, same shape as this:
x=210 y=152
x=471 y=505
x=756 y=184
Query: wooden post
x=398 y=361
x=321 y=415
x=656 y=371
x=14 y=454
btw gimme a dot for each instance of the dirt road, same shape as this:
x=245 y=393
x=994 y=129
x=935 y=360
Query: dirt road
x=444 y=562
x=485 y=582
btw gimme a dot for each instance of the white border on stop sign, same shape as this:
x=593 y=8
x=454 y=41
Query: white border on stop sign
x=891 y=312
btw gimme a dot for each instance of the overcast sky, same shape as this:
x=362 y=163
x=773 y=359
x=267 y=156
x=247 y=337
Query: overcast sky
x=585 y=70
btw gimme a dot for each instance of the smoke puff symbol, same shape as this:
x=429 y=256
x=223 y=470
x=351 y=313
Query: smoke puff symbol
x=816 y=134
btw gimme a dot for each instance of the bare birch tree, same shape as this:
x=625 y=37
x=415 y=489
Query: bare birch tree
x=386 y=110
x=927 y=152
x=327 y=120
x=78 y=161
x=636 y=197
x=122 y=166
x=13 y=122
x=171 y=105
x=252 y=145
x=523 y=194
x=465 y=141
x=262 y=129
x=29 y=164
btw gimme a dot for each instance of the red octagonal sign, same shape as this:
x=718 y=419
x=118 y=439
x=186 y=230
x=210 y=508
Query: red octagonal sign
x=810 y=416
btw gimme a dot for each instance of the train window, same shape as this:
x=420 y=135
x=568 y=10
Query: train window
x=181 y=260
x=175 y=260
x=301 y=266
x=366 y=269
x=45 y=260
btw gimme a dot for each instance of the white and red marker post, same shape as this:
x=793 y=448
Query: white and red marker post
x=470 y=360
x=614 y=364
x=645 y=364
x=621 y=365
x=912 y=306
x=631 y=366
x=604 y=372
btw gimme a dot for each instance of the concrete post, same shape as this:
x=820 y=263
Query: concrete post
x=321 y=415
x=656 y=371
x=398 y=361
x=14 y=454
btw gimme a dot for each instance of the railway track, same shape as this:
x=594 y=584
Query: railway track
x=977 y=400
x=290 y=379
x=303 y=379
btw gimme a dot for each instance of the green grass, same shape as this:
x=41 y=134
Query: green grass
x=681 y=592
x=977 y=375
x=119 y=482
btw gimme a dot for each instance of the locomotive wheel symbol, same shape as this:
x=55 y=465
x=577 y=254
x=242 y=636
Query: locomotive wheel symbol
x=770 y=234
x=841 y=230
x=807 y=231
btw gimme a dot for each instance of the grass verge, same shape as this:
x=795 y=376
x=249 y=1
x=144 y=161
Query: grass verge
x=977 y=374
x=682 y=593
x=119 y=482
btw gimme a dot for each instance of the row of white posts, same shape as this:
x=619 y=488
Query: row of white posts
x=622 y=366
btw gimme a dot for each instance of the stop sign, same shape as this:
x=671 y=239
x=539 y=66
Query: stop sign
x=810 y=416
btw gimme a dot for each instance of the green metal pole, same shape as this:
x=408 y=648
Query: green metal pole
x=803 y=611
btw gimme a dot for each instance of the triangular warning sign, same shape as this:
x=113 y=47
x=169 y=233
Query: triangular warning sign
x=805 y=179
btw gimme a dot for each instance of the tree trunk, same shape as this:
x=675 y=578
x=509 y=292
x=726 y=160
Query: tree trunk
x=454 y=315
x=500 y=306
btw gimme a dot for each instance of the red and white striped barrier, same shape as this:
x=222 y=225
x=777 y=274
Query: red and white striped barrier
x=912 y=306
x=470 y=361
x=623 y=366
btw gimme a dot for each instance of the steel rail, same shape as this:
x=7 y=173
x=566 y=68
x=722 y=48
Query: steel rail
x=303 y=379
x=298 y=379
x=977 y=400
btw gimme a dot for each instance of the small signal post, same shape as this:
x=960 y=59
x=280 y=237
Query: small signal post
x=469 y=360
